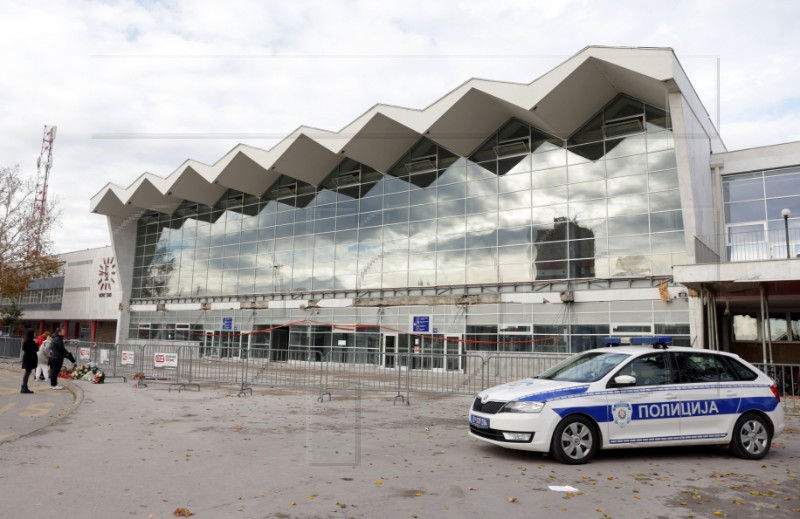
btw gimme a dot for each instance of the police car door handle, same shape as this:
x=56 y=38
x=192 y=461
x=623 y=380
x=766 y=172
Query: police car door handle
x=731 y=393
x=670 y=396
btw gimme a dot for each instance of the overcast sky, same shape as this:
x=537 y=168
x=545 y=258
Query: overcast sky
x=141 y=86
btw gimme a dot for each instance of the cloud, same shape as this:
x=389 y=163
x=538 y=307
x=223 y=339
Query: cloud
x=139 y=86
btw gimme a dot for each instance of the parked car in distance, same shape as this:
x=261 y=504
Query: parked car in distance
x=633 y=396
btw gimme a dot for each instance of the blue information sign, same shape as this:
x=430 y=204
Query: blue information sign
x=227 y=324
x=421 y=323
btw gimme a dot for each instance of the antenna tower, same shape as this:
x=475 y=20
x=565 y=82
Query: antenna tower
x=43 y=165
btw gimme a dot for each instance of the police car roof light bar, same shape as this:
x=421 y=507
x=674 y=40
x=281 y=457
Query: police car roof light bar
x=657 y=342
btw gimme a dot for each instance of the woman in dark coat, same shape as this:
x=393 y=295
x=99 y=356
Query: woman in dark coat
x=29 y=360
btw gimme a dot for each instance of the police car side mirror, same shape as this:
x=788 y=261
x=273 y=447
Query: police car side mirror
x=624 y=380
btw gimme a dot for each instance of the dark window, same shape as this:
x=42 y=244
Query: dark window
x=742 y=372
x=701 y=367
x=652 y=369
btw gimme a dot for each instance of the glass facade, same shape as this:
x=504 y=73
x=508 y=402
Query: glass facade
x=754 y=224
x=524 y=207
x=509 y=327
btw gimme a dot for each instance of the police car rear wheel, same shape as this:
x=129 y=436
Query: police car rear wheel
x=751 y=437
x=575 y=440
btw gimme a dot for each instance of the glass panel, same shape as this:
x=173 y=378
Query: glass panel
x=621 y=225
x=485 y=256
x=482 y=187
x=587 y=171
x=581 y=248
x=738 y=188
x=480 y=239
x=669 y=242
x=547 y=160
x=394 y=216
x=516 y=200
x=632 y=145
x=443 y=209
x=627 y=185
x=745 y=327
x=782 y=183
x=482 y=222
x=451 y=191
x=775 y=206
x=661 y=180
x=634 y=165
x=484 y=204
x=481 y=275
x=549 y=177
x=549 y=195
x=515 y=254
x=778 y=327
x=588 y=210
x=745 y=212
x=627 y=204
x=667 y=221
x=514 y=236
x=551 y=269
x=514 y=218
x=517 y=182
x=665 y=200
x=587 y=190
x=659 y=141
x=661 y=160
x=515 y=273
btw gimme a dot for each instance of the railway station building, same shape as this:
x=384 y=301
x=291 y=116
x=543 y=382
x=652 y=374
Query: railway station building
x=597 y=200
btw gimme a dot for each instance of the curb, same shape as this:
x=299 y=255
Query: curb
x=77 y=400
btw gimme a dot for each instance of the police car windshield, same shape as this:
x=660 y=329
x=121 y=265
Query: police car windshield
x=586 y=367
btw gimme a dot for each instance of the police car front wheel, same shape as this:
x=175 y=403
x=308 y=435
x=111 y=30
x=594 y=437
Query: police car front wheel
x=751 y=437
x=575 y=440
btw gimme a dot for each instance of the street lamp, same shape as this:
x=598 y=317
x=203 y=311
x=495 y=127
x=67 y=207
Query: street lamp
x=786 y=213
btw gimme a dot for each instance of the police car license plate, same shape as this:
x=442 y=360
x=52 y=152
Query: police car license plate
x=479 y=421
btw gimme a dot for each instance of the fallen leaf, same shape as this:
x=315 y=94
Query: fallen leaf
x=182 y=512
x=512 y=499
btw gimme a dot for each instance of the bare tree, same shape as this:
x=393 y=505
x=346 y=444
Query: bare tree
x=25 y=244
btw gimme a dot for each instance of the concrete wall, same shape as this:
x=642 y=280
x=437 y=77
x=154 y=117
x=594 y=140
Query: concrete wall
x=85 y=297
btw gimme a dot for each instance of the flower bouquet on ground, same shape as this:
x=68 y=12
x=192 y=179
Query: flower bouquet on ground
x=88 y=372
x=65 y=373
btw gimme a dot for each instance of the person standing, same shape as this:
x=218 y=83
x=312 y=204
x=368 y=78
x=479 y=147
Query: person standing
x=41 y=369
x=29 y=360
x=57 y=354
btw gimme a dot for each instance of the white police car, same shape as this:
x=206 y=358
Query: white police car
x=633 y=396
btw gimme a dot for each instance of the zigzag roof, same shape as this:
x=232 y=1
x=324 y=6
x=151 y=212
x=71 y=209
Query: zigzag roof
x=559 y=102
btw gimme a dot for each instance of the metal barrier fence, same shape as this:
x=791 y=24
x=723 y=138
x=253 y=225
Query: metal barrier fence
x=787 y=378
x=402 y=373
x=10 y=347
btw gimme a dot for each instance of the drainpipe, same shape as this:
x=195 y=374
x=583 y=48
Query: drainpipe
x=763 y=326
x=769 y=327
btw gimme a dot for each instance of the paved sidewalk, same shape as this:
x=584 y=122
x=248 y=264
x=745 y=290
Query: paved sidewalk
x=149 y=453
x=20 y=414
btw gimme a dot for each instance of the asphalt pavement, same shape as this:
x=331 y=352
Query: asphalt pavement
x=20 y=414
x=113 y=450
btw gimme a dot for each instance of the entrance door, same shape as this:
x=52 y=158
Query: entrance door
x=228 y=345
x=279 y=345
x=435 y=352
x=389 y=351
x=208 y=343
x=453 y=353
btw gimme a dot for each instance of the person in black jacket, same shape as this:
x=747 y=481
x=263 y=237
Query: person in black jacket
x=29 y=360
x=57 y=354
